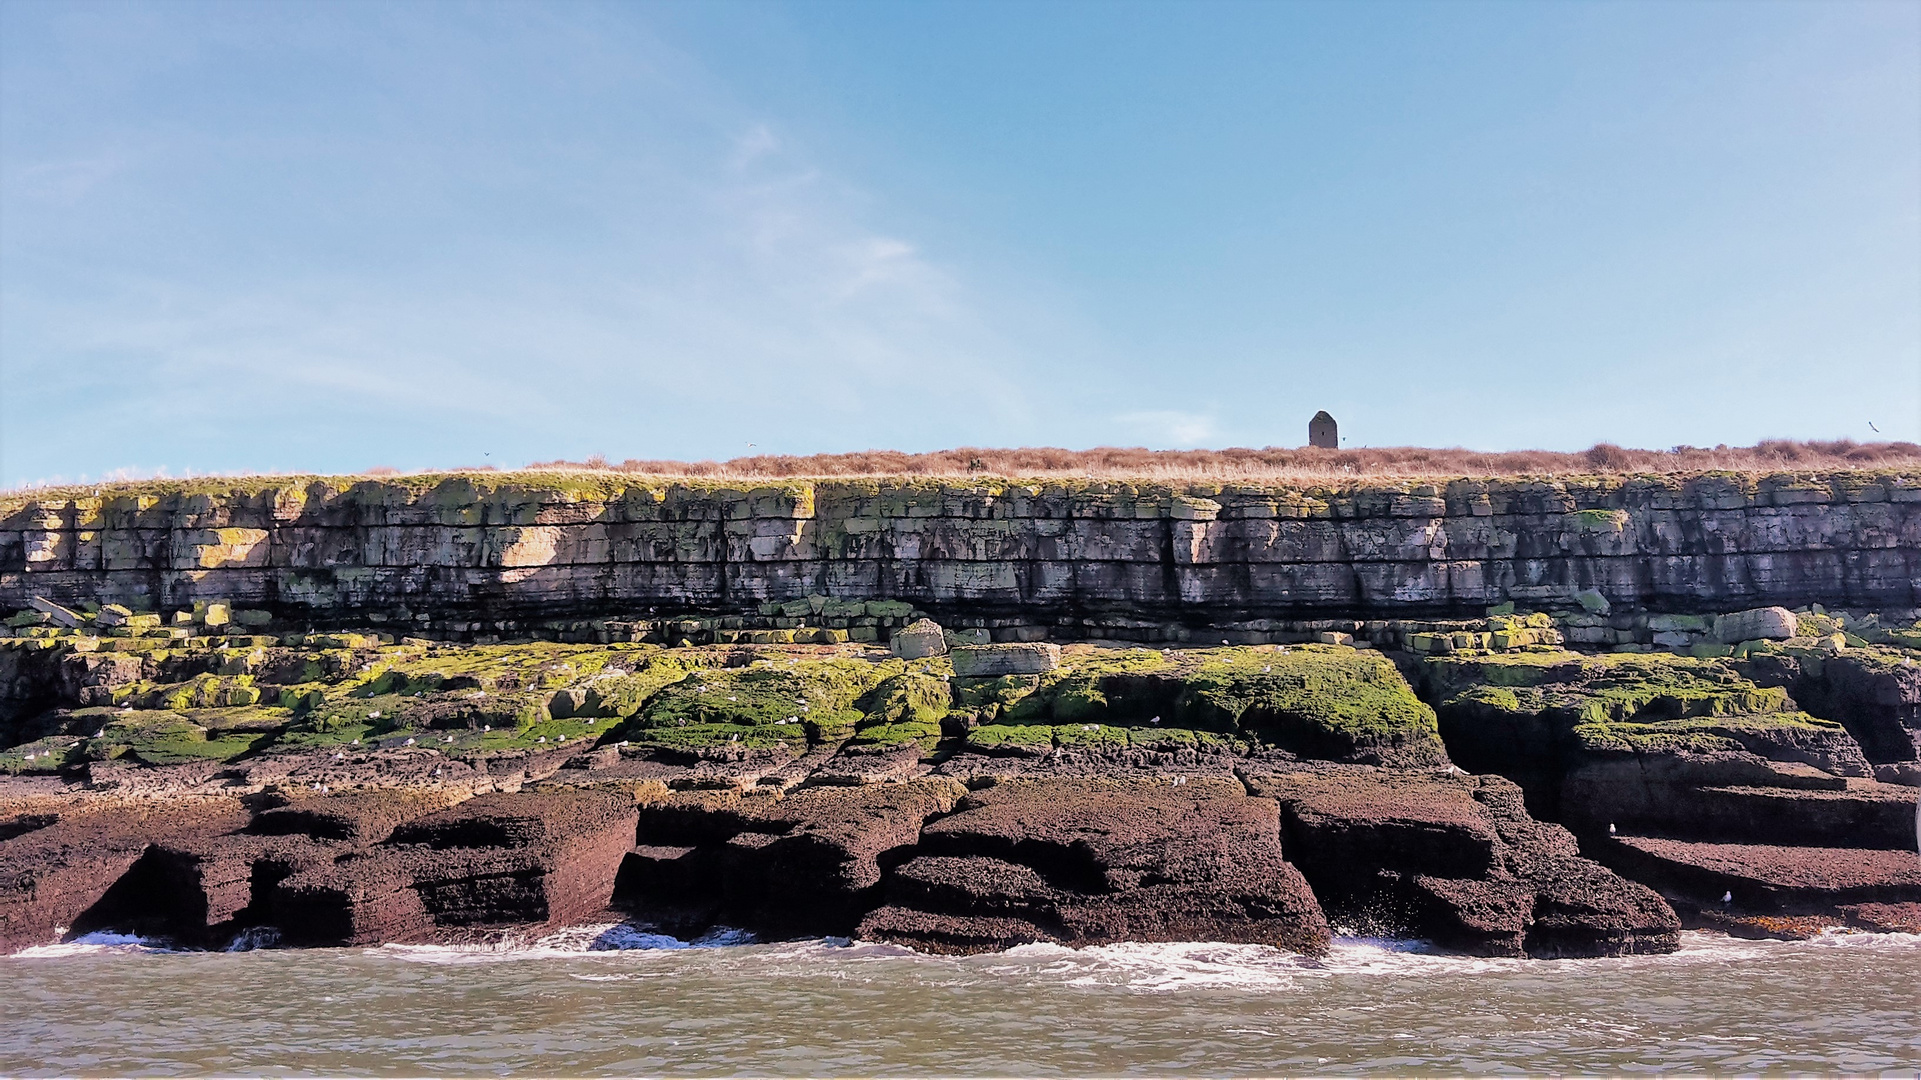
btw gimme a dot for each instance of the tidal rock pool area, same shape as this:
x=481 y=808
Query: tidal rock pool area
x=1490 y=786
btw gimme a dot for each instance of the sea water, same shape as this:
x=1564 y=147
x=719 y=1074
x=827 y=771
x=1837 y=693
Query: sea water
x=611 y=1000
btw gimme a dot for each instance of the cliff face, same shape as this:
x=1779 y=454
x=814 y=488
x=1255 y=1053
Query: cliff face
x=557 y=545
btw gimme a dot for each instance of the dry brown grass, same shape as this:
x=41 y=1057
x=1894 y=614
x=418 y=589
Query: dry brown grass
x=1269 y=465
x=1278 y=463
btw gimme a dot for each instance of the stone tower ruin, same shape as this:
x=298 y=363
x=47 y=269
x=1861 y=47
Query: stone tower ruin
x=1322 y=432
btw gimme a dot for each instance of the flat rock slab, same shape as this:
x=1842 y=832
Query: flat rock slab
x=1769 y=878
x=988 y=661
x=1091 y=861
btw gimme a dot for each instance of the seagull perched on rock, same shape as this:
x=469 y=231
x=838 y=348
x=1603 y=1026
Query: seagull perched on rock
x=1610 y=828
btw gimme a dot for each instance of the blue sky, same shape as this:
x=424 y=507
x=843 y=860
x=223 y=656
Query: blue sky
x=291 y=236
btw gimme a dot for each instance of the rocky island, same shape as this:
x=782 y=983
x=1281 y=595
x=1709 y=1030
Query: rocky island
x=1530 y=716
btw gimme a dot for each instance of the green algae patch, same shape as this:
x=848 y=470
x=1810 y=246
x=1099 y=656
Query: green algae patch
x=1597 y=521
x=1702 y=734
x=1091 y=686
x=1174 y=740
x=1020 y=739
x=1328 y=702
x=301 y=737
x=993 y=693
x=770 y=705
x=902 y=709
x=43 y=756
x=818 y=692
x=888 y=736
x=622 y=691
x=701 y=739
x=1444 y=675
x=907 y=698
x=1090 y=737
x=165 y=738
x=1631 y=704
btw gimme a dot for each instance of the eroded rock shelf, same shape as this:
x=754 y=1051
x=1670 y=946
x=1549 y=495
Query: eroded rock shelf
x=1514 y=717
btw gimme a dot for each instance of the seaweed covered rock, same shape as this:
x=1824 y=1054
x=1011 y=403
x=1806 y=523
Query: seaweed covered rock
x=769 y=709
x=1322 y=702
x=1631 y=740
x=1457 y=860
x=1874 y=692
x=1691 y=776
x=904 y=711
x=1088 y=861
x=1144 y=708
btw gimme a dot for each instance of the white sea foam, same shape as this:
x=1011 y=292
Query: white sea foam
x=95 y=944
x=254 y=937
x=572 y=941
x=1186 y=966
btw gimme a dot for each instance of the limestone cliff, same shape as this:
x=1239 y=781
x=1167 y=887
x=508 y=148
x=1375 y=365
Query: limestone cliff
x=559 y=544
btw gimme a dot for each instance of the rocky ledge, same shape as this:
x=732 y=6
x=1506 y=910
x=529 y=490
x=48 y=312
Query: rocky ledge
x=1487 y=789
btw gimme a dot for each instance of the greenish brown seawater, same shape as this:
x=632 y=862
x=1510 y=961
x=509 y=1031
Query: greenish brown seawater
x=1841 y=1004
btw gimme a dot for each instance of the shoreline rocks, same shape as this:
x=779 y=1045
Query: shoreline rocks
x=345 y=789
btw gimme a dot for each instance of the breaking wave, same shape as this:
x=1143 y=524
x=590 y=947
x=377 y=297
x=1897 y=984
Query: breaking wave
x=1183 y=966
x=570 y=941
x=96 y=944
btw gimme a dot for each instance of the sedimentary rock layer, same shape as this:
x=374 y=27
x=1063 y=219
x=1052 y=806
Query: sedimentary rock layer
x=550 y=545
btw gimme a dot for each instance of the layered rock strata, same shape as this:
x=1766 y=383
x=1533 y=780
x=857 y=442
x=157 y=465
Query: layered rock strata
x=546 y=546
x=445 y=708
x=341 y=791
x=1694 y=776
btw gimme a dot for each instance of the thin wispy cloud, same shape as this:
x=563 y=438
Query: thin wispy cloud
x=732 y=277
x=1170 y=428
x=307 y=236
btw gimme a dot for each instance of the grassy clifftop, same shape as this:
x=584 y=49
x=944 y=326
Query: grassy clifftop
x=558 y=485
x=1267 y=467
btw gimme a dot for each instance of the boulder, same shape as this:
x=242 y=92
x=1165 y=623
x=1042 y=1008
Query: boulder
x=61 y=616
x=1593 y=602
x=112 y=615
x=1769 y=623
x=1013 y=658
x=918 y=640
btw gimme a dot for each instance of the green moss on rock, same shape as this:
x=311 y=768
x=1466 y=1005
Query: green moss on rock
x=1327 y=702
